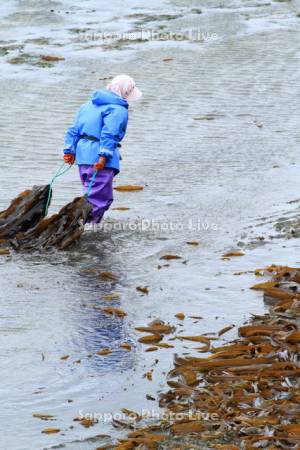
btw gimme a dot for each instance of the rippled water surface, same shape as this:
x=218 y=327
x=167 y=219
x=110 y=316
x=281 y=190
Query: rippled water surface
x=215 y=142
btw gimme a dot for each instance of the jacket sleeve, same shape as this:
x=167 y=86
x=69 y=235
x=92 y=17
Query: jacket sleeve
x=113 y=130
x=72 y=137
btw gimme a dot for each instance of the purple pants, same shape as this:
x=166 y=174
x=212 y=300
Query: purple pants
x=101 y=194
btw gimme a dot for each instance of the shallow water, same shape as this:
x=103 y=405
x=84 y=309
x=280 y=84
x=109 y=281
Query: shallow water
x=206 y=180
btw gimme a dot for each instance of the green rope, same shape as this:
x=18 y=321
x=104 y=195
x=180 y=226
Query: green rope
x=61 y=171
x=91 y=184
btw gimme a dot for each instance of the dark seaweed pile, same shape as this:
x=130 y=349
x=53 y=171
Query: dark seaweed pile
x=23 y=225
x=245 y=394
x=24 y=212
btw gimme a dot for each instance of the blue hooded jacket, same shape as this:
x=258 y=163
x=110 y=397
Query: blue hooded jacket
x=104 y=117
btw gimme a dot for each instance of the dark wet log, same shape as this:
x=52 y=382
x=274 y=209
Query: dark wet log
x=60 y=230
x=24 y=212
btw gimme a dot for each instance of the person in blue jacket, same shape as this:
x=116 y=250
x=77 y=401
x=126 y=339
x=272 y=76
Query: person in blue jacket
x=93 y=140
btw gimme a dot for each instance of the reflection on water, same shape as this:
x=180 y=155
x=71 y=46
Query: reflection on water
x=214 y=140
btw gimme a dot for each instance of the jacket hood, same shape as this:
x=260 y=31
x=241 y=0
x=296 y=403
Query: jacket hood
x=105 y=97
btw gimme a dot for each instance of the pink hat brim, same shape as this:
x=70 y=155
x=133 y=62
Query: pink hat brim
x=134 y=95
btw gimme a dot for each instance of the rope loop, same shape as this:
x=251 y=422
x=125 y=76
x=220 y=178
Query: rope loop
x=91 y=184
x=61 y=171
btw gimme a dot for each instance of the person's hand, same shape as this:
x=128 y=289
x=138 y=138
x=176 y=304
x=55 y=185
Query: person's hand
x=69 y=158
x=100 y=164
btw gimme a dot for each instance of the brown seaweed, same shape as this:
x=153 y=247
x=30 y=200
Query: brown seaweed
x=244 y=394
x=24 y=212
x=60 y=230
x=24 y=227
